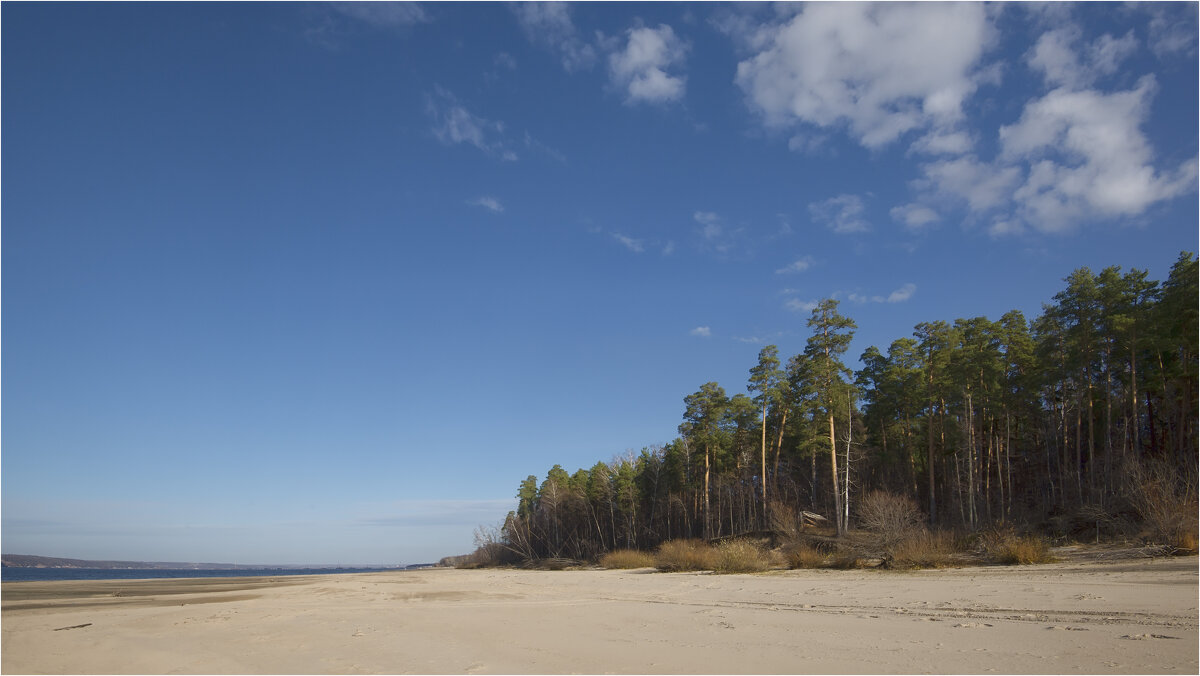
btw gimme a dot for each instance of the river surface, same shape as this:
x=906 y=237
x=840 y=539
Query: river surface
x=30 y=574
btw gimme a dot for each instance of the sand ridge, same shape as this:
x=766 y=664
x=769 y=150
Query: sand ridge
x=1108 y=617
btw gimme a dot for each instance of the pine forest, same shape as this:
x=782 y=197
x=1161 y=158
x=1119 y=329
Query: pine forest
x=1079 y=424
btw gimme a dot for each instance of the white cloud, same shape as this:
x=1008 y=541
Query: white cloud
x=915 y=216
x=1073 y=155
x=1060 y=61
x=797 y=305
x=640 y=69
x=702 y=331
x=549 y=24
x=800 y=265
x=717 y=238
x=1172 y=29
x=943 y=142
x=808 y=144
x=898 y=296
x=536 y=145
x=710 y=224
x=842 y=214
x=1005 y=228
x=489 y=203
x=982 y=185
x=505 y=60
x=880 y=69
x=384 y=14
x=1088 y=157
x=902 y=294
x=454 y=124
x=668 y=248
x=634 y=245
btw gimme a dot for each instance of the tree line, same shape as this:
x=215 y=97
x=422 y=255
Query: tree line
x=1045 y=423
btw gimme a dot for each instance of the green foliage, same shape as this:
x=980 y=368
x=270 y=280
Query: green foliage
x=975 y=422
x=831 y=337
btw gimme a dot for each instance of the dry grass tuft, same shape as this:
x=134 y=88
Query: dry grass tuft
x=741 y=556
x=627 y=559
x=803 y=555
x=925 y=550
x=685 y=555
x=846 y=561
x=1013 y=549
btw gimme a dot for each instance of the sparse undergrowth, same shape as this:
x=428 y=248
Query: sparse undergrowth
x=743 y=556
x=1008 y=548
x=803 y=555
x=924 y=549
x=1167 y=503
x=684 y=555
x=626 y=559
x=731 y=556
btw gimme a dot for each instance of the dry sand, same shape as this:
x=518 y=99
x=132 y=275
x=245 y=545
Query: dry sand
x=1114 y=617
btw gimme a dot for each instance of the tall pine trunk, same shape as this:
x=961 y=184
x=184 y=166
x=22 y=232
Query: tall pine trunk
x=707 y=520
x=837 y=494
x=763 y=475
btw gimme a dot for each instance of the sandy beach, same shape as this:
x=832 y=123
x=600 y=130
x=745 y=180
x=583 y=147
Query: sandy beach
x=1127 y=616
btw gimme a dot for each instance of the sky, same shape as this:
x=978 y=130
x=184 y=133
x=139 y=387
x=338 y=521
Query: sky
x=322 y=283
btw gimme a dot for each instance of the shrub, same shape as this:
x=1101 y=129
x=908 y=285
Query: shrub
x=803 y=555
x=627 y=559
x=1166 y=501
x=846 y=560
x=923 y=549
x=684 y=555
x=783 y=520
x=741 y=556
x=1011 y=549
x=889 y=517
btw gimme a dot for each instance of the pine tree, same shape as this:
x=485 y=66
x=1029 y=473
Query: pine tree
x=831 y=337
x=766 y=379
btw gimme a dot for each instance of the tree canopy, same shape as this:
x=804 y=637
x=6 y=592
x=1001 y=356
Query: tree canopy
x=982 y=422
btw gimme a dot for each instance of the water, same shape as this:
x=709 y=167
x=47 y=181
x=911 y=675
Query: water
x=31 y=574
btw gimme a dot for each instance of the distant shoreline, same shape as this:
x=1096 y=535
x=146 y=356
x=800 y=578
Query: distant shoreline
x=22 y=575
x=28 y=561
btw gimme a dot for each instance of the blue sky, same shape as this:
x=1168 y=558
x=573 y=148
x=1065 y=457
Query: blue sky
x=321 y=283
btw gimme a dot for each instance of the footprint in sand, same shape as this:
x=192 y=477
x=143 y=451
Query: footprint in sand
x=972 y=625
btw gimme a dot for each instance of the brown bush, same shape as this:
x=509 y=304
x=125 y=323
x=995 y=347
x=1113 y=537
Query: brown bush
x=742 y=556
x=1003 y=546
x=922 y=549
x=684 y=555
x=783 y=520
x=803 y=555
x=1166 y=501
x=889 y=517
x=846 y=560
x=627 y=559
